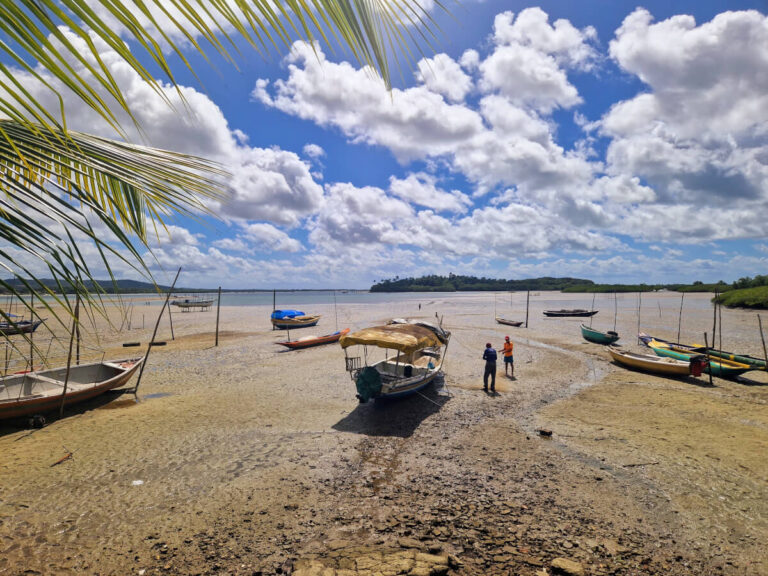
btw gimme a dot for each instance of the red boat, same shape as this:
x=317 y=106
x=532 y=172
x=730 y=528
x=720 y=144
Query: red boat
x=309 y=341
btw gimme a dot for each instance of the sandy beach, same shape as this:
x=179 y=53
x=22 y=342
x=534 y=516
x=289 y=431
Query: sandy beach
x=250 y=459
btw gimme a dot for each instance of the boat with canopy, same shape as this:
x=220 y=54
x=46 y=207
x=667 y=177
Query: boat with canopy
x=413 y=357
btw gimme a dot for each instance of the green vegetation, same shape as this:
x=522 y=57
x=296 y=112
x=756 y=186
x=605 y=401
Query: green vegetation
x=610 y=288
x=745 y=298
x=455 y=283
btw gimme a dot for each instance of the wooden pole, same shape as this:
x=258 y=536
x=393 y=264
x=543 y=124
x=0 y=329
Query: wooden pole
x=709 y=364
x=274 y=304
x=69 y=356
x=527 y=303
x=170 y=319
x=680 y=317
x=719 y=326
x=218 y=311
x=765 y=352
x=639 y=306
x=714 y=319
x=32 y=334
x=77 y=330
x=592 y=308
x=335 y=311
x=615 y=309
x=154 y=333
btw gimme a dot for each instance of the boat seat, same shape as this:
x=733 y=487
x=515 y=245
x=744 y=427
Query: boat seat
x=46 y=379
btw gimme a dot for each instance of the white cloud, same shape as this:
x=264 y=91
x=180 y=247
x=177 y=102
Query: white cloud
x=266 y=184
x=443 y=75
x=266 y=237
x=528 y=65
x=313 y=150
x=422 y=189
x=699 y=135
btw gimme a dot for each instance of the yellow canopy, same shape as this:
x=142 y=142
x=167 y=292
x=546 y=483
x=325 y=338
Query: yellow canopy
x=403 y=337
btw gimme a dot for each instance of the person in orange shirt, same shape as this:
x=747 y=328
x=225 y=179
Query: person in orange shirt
x=509 y=360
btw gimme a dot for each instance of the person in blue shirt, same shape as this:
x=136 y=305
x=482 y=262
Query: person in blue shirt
x=490 y=367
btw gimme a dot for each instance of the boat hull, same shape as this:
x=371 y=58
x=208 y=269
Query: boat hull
x=23 y=327
x=318 y=341
x=24 y=405
x=296 y=322
x=652 y=364
x=719 y=367
x=506 y=322
x=598 y=337
x=569 y=313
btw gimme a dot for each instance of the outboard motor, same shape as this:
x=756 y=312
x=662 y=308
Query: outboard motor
x=698 y=363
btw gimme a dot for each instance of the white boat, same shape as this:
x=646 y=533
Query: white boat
x=193 y=303
x=418 y=350
x=41 y=391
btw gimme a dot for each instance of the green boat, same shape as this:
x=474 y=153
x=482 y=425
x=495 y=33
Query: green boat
x=598 y=337
x=756 y=363
x=721 y=367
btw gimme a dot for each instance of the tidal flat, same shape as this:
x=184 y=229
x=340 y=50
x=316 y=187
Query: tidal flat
x=247 y=458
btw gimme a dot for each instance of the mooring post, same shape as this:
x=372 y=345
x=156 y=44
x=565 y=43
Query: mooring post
x=218 y=309
x=765 y=352
x=154 y=333
x=527 y=303
x=709 y=363
x=69 y=356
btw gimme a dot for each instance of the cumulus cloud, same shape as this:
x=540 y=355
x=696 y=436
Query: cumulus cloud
x=503 y=143
x=531 y=57
x=266 y=184
x=443 y=75
x=422 y=189
x=698 y=135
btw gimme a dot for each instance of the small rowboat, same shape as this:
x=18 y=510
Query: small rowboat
x=41 y=391
x=515 y=323
x=598 y=337
x=718 y=366
x=288 y=319
x=655 y=364
x=565 y=313
x=309 y=341
x=20 y=327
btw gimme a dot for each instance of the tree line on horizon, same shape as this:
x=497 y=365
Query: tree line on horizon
x=462 y=283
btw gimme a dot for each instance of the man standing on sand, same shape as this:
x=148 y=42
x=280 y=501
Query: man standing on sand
x=509 y=361
x=490 y=367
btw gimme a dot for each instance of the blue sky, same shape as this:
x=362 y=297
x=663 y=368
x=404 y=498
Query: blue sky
x=614 y=141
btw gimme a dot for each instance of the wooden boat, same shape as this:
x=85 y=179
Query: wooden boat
x=565 y=313
x=40 y=391
x=289 y=319
x=193 y=303
x=309 y=341
x=20 y=327
x=598 y=337
x=419 y=349
x=508 y=322
x=718 y=366
x=658 y=364
x=756 y=363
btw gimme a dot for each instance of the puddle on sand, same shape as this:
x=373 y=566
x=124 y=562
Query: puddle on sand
x=156 y=395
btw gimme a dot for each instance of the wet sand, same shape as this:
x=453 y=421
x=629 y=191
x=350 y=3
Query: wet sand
x=248 y=459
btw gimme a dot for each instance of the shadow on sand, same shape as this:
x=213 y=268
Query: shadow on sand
x=395 y=417
x=111 y=399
